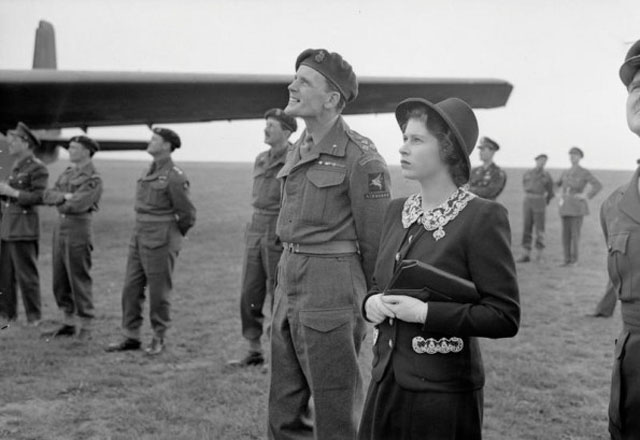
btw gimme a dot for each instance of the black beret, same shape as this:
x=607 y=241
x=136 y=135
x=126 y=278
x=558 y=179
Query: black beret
x=631 y=64
x=331 y=65
x=87 y=142
x=168 y=135
x=576 y=150
x=486 y=142
x=540 y=156
x=25 y=133
x=287 y=122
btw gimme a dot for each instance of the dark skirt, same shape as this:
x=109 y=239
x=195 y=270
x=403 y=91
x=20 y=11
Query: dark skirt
x=391 y=412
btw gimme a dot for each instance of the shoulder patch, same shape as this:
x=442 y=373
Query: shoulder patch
x=364 y=143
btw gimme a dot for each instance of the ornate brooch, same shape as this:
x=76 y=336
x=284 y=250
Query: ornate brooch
x=437 y=218
x=433 y=346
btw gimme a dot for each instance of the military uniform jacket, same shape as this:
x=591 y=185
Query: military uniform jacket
x=573 y=181
x=538 y=183
x=266 y=186
x=339 y=192
x=487 y=182
x=85 y=185
x=163 y=191
x=476 y=247
x=620 y=220
x=20 y=220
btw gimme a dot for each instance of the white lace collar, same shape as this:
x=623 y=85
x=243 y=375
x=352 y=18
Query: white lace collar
x=435 y=219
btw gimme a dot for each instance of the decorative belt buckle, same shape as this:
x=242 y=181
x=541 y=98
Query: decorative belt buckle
x=433 y=346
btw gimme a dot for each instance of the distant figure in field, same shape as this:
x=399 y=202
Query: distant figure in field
x=488 y=180
x=573 y=203
x=262 y=247
x=20 y=227
x=427 y=379
x=76 y=195
x=538 y=192
x=335 y=188
x=164 y=214
x=620 y=219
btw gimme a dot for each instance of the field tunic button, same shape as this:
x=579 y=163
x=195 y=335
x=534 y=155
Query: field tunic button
x=390 y=343
x=398 y=256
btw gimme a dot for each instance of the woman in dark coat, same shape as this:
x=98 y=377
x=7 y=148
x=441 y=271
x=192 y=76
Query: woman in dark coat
x=428 y=376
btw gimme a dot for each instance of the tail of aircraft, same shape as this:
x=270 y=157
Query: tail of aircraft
x=44 y=53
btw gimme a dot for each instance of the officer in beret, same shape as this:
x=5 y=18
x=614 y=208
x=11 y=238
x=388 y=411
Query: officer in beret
x=262 y=248
x=573 y=203
x=620 y=219
x=335 y=189
x=20 y=226
x=538 y=192
x=488 y=180
x=164 y=214
x=75 y=195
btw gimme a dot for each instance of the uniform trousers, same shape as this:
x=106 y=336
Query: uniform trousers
x=571 y=226
x=71 y=261
x=534 y=220
x=19 y=268
x=262 y=253
x=153 y=250
x=624 y=404
x=391 y=412
x=316 y=335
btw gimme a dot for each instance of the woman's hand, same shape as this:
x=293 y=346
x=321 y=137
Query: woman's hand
x=376 y=310
x=406 y=308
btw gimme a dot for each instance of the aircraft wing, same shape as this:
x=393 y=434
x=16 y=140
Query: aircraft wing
x=47 y=99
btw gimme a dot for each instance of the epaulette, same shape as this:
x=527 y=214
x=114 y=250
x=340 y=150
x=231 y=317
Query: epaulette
x=365 y=144
x=177 y=170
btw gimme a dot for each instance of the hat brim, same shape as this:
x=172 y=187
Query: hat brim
x=403 y=108
x=628 y=70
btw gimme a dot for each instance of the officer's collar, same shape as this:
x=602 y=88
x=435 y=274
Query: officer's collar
x=161 y=163
x=335 y=141
x=630 y=203
x=18 y=163
x=87 y=168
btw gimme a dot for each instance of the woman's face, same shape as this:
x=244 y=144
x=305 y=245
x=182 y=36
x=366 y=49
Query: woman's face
x=420 y=152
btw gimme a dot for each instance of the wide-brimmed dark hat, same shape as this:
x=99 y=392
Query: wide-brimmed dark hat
x=631 y=64
x=456 y=113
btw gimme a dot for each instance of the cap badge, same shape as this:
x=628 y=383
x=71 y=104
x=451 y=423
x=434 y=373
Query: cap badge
x=320 y=56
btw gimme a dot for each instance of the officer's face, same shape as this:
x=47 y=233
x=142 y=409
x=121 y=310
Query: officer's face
x=541 y=162
x=420 y=152
x=309 y=95
x=633 y=104
x=17 y=144
x=574 y=158
x=485 y=153
x=78 y=152
x=157 y=145
x=274 y=133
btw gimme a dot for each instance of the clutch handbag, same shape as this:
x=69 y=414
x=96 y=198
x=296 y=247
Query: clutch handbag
x=427 y=283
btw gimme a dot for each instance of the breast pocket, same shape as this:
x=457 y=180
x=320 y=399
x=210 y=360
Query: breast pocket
x=158 y=193
x=619 y=265
x=322 y=195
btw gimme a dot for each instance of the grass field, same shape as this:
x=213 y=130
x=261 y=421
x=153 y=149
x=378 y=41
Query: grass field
x=549 y=382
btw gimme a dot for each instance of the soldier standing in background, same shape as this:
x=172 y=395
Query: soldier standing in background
x=573 y=203
x=20 y=227
x=488 y=180
x=538 y=192
x=76 y=195
x=263 y=249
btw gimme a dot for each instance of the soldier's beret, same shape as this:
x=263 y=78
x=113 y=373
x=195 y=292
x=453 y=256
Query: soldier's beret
x=87 y=142
x=287 y=122
x=168 y=135
x=541 y=156
x=576 y=150
x=486 y=142
x=631 y=64
x=22 y=131
x=333 y=67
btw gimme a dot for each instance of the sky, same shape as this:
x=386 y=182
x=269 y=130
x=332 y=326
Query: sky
x=561 y=56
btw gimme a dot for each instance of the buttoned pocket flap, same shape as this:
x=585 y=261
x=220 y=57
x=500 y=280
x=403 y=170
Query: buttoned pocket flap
x=159 y=184
x=618 y=242
x=326 y=320
x=323 y=178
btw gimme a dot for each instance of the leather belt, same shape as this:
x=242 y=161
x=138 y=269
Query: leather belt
x=330 y=247
x=155 y=218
